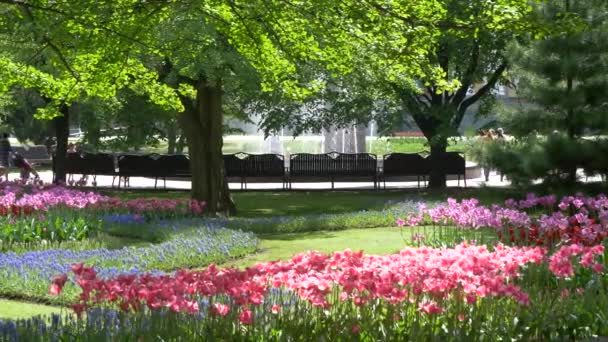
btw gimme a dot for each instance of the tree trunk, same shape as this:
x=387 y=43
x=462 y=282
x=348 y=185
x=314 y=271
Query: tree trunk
x=437 y=178
x=571 y=169
x=62 y=132
x=171 y=137
x=202 y=124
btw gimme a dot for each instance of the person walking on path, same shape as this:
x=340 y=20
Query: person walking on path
x=500 y=138
x=25 y=166
x=485 y=139
x=5 y=152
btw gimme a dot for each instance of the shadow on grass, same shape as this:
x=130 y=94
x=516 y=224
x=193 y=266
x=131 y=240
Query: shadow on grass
x=299 y=236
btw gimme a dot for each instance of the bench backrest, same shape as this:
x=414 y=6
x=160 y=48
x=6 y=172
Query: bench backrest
x=452 y=163
x=405 y=164
x=174 y=165
x=233 y=164
x=333 y=164
x=37 y=152
x=307 y=164
x=264 y=165
x=355 y=164
x=99 y=163
x=140 y=165
x=75 y=163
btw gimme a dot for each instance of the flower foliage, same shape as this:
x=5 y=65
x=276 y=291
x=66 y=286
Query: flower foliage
x=428 y=276
x=575 y=219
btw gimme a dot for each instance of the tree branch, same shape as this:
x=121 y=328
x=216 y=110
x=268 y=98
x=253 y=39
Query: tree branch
x=50 y=44
x=62 y=58
x=74 y=17
x=467 y=79
x=485 y=89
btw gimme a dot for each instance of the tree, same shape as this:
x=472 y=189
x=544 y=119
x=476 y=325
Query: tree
x=428 y=55
x=207 y=49
x=68 y=52
x=212 y=52
x=563 y=79
x=18 y=115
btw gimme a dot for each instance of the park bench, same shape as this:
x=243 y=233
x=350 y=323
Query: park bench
x=451 y=163
x=233 y=166
x=264 y=168
x=333 y=167
x=174 y=165
x=93 y=164
x=402 y=166
x=132 y=165
x=244 y=168
x=36 y=154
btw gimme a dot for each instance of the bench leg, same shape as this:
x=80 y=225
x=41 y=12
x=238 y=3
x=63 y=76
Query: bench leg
x=165 y=182
x=155 y=181
x=464 y=177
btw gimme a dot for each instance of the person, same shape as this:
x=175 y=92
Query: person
x=26 y=168
x=5 y=152
x=72 y=148
x=48 y=142
x=500 y=137
x=486 y=138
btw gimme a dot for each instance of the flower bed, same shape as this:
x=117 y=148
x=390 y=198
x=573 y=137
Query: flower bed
x=461 y=293
x=17 y=199
x=26 y=274
x=50 y=214
x=533 y=221
x=547 y=283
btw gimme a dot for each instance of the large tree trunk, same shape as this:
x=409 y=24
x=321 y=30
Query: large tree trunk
x=171 y=137
x=62 y=132
x=202 y=124
x=437 y=178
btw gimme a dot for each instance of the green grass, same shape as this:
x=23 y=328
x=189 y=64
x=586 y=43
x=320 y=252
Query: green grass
x=409 y=145
x=386 y=240
x=284 y=246
x=298 y=203
x=11 y=309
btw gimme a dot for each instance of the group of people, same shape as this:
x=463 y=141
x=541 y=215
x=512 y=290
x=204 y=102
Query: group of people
x=489 y=136
x=9 y=157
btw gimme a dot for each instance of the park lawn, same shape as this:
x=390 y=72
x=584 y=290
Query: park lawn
x=301 y=203
x=12 y=309
x=284 y=246
x=377 y=241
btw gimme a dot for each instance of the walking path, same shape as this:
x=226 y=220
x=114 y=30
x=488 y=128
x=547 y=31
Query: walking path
x=148 y=183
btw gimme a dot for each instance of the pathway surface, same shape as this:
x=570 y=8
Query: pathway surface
x=148 y=183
